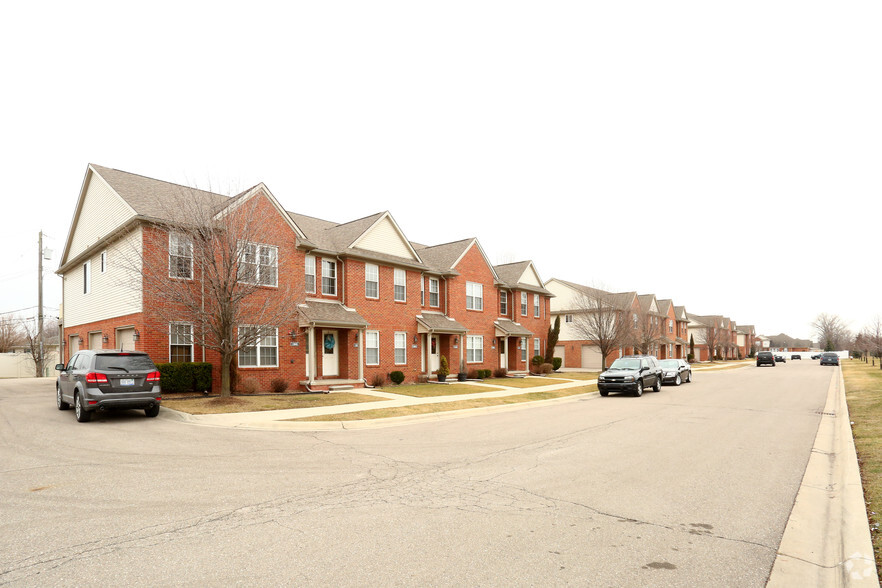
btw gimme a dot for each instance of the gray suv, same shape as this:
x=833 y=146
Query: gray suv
x=631 y=373
x=106 y=379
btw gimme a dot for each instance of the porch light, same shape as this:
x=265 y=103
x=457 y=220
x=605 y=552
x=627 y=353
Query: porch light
x=136 y=336
x=415 y=339
x=81 y=340
x=455 y=340
x=105 y=338
x=292 y=333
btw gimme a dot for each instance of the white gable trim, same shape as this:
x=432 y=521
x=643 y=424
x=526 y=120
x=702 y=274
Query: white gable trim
x=532 y=268
x=653 y=307
x=484 y=255
x=261 y=187
x=386 y=215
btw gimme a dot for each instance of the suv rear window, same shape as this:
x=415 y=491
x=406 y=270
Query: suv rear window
x=127 y=361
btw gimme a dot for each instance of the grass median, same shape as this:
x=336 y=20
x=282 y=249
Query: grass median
x=863 y=392
x=427 y=390
x=383 y=413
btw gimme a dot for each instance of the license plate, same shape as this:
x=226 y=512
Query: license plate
x=127 y=382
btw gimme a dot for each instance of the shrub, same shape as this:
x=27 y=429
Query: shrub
x=487 y=373
x=397 y=377
x=537 y=360
x=718 y=357
x=473 y=375
x=500 y=373
x=378 y=380
x=250 y=386
x=185 y=376
x=279 y=385
x=557 y=362
x=546 y=368
x=690 y=358
x=444 y=369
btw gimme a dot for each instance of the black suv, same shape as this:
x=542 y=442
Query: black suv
x=631 y=373
x=765 y=358
x=106 y=379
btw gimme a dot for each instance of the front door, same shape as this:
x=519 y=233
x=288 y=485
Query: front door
x=330 y=354
x=434 y=354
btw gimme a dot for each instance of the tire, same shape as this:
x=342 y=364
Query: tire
x=678 y=381
x=604 y=392
x=62 y=405
x=639 y=391
x=83 y=415
x=689 y=377
x=657 y=386
x=152 y=411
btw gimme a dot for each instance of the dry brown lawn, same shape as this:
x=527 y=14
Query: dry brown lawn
x=383 y=413
x=217 y=405
x=863 y=392
x=427 y=390
x=528 y=382
x=578 y=375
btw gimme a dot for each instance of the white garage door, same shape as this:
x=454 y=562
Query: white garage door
x=591 y=357
x=559 y=352
x=125 y=339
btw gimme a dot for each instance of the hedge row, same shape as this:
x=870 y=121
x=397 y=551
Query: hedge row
x=185 y=377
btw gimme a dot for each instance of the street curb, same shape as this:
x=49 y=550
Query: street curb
x=827 y=539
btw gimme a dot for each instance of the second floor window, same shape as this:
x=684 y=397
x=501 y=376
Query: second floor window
x=474 y=296
x=400 y=285
x=433 y=292
x=568 y=318
x=180 y=256
x=536 y=299
x=523 y=304
x=371 y=281
x=422 y=290
x=329 y=278
x=310 y=274
x=260 y=264
x=503 y=302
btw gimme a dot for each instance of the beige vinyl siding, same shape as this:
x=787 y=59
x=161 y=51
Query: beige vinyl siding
x=567 y=332
x=530 y=277
x=111 y=293
x=102 y=211
x=565 y=298
x=385 y=238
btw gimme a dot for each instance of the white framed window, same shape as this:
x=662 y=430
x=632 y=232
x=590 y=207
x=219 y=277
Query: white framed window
x=523 y=349
x=180 y=342
x=103 y=261
x=474 y=296
x=474 y=349
x=422 y=290
x=568 y=318
x=259 y=265
x=503 y=302
x=400 y=285
x=309 y=263
x=670 y=326
x=87 y=277
x=371 y=281
x=635 y=320
x=400 y=348
x=329 y=277
x=536 y=350
x=523 y=304
x=372 y=348
x=536 y=307
x=263 y=348
x=180 y=256
x=433 y=292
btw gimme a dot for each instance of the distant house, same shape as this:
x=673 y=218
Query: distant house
x=784 y=342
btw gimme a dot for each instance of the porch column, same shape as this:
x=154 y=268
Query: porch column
x=507 y=360
x=463 y=340
x=361 y=354
x=312 y=354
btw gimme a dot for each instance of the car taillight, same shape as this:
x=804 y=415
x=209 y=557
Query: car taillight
x=94 y=378
x=153 y=376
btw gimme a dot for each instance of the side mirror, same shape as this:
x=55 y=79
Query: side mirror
x=59 y=367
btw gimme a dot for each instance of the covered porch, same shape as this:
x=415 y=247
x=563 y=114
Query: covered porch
x=334 y=341
x=511 y=336
x=441 y=335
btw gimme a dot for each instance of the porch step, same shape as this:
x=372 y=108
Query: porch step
x=339 y=388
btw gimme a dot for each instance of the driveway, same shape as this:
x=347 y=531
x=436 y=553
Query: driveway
x=689 y=486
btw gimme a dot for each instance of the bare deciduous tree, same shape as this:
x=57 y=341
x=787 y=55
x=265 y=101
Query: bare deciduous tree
x=216 y=265
x=598 y=317
x=831 y=330
x=872 y=336
x=10 y=333
x=709 y=335
x=34 y=345
x=649 y=332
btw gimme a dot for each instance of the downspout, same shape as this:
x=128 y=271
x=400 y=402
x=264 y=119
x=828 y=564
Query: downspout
x=342 y=279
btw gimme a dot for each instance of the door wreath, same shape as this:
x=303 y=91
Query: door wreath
x=329 y=342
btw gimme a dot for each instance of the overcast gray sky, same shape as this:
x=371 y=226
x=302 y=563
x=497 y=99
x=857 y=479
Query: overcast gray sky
x=725 y=155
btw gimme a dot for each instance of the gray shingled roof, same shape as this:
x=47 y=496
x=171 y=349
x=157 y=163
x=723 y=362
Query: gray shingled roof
x=510 y=273
x=665 y=305
x=442 y=257
x=621 y=300
x=155 y=198
x=439 y=323
x=331 y=314
x=512 y=329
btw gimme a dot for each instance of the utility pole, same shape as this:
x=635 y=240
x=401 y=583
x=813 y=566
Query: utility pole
x=40 y=362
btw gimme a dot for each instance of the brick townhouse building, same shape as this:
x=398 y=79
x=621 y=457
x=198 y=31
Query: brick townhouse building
x=368 y=300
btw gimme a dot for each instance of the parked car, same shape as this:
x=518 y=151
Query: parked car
x=816 y=356
x=106 y=379
x=780 y=358
x=795 y=356
x=675 y=371
x=765 y=358
x=829 y=358
x=632 y=373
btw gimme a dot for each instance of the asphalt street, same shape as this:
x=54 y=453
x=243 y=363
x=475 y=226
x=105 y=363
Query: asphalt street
x=691 y=486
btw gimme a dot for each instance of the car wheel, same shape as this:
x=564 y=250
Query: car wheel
x=152 y=411
x=657 y=386
x=83 y=415
x=689 y=376
x=604 y=392
x=639 y=391
x=62 y=405
x=678 y=381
